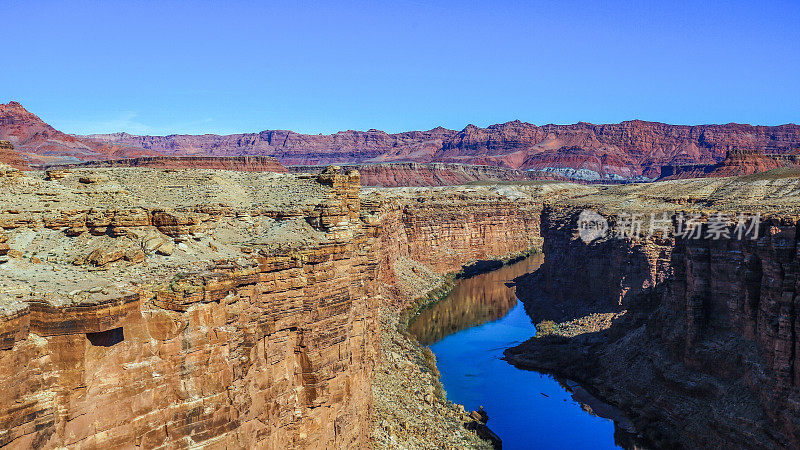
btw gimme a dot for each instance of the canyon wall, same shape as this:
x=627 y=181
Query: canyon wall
x=269 y=349
x=705 y=352
x=623 y=152
x=239 y=163
x=219 y=309
x=418 y=174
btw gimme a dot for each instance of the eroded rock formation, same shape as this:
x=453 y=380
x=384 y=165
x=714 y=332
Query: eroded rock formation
x=10 y=156
x=737 y=162
x=704 y=352
x=582 y=151
x=238 y=163
x=628 y=151
x=212 y=308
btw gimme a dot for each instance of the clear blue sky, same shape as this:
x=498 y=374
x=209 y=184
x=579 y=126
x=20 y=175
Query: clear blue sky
x=158 y=67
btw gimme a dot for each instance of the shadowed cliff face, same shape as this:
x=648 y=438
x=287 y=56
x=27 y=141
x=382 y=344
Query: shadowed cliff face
x=705 y=353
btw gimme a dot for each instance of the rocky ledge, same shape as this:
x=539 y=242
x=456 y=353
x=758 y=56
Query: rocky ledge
x=165 y=308
x=238 y=163
x=693 y=337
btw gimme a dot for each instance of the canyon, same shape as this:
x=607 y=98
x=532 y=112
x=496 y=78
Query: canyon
x=609 y=153
x=695 y=337
x=238 y=309
x=220 y=308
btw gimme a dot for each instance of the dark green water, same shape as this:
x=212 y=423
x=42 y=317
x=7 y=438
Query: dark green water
x=468 y=331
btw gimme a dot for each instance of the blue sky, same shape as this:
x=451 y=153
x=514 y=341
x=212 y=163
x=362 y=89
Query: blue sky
x=159 y=67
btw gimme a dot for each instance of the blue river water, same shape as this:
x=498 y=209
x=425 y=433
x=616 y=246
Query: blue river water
x=468 y=331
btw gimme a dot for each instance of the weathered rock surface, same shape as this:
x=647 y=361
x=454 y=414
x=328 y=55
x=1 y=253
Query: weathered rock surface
x=219 y=341
x=435 y=174
x=701 y=349
x=226 y=309
x=737 y=162
x=238 y=163
x=10 y=156
x=628 y=151
x=39 y=143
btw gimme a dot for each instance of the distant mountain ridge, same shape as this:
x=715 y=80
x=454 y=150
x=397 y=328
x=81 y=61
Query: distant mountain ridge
x=39 y=143
x=625 y=151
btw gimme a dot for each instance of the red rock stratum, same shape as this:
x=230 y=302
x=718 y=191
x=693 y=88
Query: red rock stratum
x=582 y=151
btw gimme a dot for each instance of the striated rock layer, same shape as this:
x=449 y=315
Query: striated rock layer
x=239 y=163
x=10 y=156
x=435 y=174
x=221 y=309
x=737 y=162
x=628 y=151
x=39 y=143
x=704 y=354
x=583 y=151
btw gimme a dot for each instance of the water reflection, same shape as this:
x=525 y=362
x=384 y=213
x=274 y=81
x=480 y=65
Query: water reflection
x=468 y=331
x=474 y=301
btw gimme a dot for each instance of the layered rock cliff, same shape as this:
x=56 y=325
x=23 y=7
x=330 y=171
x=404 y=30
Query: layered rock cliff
x=702 y=350
x=737 y=162
x=418 y=174
x=10 y=156
x=582 y=151
x=172 y=327
x=39 y=143
x=628 y=151
x=238 y=163
x=228 y=309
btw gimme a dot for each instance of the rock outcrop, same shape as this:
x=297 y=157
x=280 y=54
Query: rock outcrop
x=702 y=348
x=737 y=162
x=238 y=163
x=219 y=308
x=628 y=151
x=10 y=156
x=438 y=174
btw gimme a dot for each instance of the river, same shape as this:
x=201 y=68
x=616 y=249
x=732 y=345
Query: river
x=468 y=331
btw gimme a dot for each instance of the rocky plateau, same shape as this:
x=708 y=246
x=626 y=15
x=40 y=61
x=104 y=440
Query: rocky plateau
x=162 y=308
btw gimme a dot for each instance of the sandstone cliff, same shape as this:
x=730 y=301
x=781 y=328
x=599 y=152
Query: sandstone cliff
x=216 y=308
x=238 y=163
x=438 y=174
x=195 y=324
x=703 y=353
x=628 y=151
x=10 y=156
x=737 y=162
